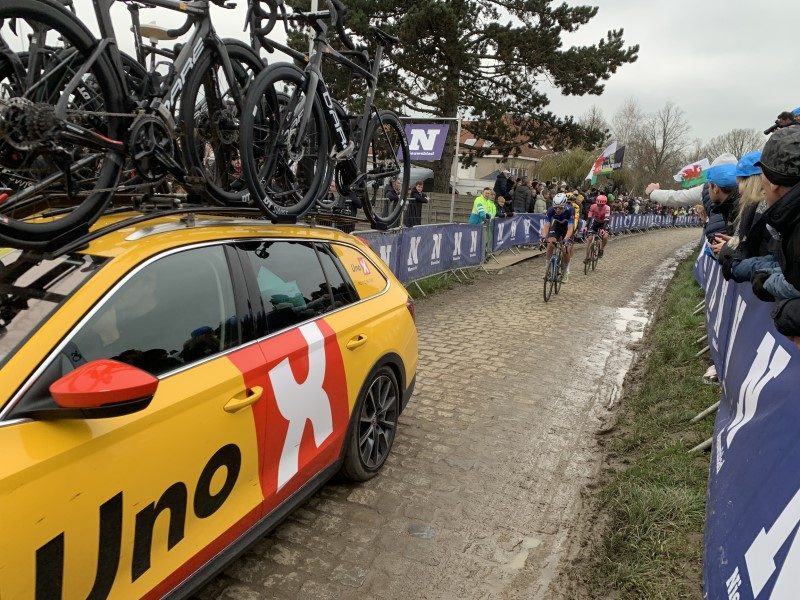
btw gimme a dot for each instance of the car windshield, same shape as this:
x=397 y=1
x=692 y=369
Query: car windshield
x=32 y=287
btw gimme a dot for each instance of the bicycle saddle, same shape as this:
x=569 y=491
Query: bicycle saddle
x=155 y=32
x=388 y=40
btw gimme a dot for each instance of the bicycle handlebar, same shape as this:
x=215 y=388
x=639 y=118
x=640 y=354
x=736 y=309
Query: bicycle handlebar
x=176 y=33
x=339 y=9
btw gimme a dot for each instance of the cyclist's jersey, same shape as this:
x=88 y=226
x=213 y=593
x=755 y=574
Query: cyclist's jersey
x=577 y=208
x=601 y=214
x=564 y=219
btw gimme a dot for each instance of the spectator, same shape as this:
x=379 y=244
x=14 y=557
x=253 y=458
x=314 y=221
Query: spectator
x=501 y=212
x=724 y=197
x=483 y=208
x=785 y=119
x=415 y=202
x=521 y=197
x=392 y=197
x=690 y=196
x=539 y=205
x=748 y=254
x=503 y=184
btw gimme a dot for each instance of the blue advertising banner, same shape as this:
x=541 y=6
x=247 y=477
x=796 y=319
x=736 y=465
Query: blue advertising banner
x=519 y=230
x=424 y=250
x=385 y=244
x=752 y=544
x=466 y=242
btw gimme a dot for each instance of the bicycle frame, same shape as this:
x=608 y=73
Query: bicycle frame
x=203 y=33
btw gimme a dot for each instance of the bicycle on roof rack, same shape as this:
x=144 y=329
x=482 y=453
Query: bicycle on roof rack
x=295 y=138
x=70 y=124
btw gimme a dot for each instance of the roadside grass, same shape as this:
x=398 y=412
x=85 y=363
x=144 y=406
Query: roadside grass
x=431 y=285
x=652 y=504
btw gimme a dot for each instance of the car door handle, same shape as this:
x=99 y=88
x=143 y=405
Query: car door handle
x=239 y=401
x=357 y=341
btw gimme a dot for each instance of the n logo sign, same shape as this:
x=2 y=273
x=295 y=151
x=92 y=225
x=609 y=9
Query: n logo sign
x=425 y=141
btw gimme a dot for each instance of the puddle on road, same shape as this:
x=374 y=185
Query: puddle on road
x=617 y=353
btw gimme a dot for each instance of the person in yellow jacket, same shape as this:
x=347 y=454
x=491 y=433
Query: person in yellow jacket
x=576 y=205
x=483 y=208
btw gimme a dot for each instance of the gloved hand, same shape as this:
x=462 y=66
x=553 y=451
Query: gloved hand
x=759 y=279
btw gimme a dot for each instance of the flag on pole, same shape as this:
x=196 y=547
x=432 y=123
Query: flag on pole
x=609 y=161
x=693 y=174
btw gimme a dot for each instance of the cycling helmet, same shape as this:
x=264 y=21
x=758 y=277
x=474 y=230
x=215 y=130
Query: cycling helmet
x=601 y=199
x=559 y=200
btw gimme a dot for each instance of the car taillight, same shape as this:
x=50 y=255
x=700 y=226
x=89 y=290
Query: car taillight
x=411 y=309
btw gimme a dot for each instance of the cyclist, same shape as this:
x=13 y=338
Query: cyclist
x=599 y=221
x=560 y=225
x=573 y=201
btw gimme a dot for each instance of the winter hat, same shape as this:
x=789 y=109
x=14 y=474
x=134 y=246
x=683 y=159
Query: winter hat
x=726 y=158
x=780 y=159
x=747 y=164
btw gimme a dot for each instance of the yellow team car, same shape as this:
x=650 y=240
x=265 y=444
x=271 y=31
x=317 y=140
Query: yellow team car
x=173 y=388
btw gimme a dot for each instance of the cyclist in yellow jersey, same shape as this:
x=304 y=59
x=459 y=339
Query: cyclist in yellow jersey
x=577 y=208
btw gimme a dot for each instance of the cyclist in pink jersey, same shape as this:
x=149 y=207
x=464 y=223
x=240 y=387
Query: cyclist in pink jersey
x=600 y=220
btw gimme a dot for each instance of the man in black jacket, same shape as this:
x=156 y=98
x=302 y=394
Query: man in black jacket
x=780 y=165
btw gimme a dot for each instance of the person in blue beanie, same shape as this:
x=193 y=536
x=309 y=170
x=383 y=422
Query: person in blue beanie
x=724 y=195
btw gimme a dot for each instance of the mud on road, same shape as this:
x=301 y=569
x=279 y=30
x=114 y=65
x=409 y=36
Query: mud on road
x=479 y=497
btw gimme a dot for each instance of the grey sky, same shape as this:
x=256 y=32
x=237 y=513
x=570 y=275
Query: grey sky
x=727 y=63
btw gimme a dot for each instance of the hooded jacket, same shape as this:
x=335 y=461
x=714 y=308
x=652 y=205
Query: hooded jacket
x=784 y=217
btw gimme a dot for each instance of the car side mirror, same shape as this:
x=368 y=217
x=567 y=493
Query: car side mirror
x=97 y=390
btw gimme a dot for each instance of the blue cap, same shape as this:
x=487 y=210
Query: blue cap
x=723 y=176
x=747 y=164
x=796 y=111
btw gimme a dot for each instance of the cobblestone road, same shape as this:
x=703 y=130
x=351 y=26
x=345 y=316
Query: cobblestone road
x=493 y=451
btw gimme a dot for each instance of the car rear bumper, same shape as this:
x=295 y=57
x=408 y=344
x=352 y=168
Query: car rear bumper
x=407 y=394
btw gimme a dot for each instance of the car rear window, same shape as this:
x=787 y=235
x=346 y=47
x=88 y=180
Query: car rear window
x=32 y=288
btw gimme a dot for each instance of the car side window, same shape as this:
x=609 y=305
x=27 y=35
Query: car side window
x=175 y=311
x=291 y=281
x=341 y=287
x=365 y=275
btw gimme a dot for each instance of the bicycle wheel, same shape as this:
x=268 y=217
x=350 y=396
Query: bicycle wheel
x=558 y=273
x=282 y=182
x=595 y=254
x=46 y=47
x=588 y=260
x=548 y=280
x=383 y=157
x=210 y=119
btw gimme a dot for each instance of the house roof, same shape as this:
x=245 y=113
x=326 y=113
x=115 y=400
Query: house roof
x=526 y=151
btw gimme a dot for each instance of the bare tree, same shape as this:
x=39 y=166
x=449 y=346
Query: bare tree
x=736 y=141
x=663 y=143
x=626 y=125
x=594 y=120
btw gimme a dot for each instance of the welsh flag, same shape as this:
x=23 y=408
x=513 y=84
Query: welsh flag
x=693 y=174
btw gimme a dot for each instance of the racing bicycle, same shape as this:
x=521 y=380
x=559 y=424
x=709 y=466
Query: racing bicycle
x=296 y=138
x=552 y=278
x=70 y=122
x=593 y=245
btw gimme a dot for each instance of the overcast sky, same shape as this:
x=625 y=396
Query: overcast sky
x=727 y=63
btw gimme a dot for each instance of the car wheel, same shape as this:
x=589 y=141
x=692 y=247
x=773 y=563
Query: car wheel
x=374 y=427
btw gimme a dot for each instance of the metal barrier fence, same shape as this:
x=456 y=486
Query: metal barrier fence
x=414 y=253
x=752 y=544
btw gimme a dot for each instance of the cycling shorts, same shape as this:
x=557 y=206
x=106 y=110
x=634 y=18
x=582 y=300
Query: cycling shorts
x=596 y=227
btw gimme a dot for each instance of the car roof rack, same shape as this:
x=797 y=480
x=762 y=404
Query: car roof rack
x=189 y=211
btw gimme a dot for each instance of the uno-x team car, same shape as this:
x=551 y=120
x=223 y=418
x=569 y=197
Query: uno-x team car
x=170 y=390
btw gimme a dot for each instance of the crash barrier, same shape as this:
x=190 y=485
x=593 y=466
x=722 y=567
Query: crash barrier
x=752 y=543
x=424 y=250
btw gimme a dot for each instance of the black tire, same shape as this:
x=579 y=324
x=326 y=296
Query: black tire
x=587 y=262
x=210 y=139
x=283 y=187
x=549 y=280
x=595 y=255
x=558 y=275
x=371 y=436
x=70 y=33
x=378 y=161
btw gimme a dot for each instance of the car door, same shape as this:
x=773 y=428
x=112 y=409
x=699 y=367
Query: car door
x=129 y=506
x=306 y=382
